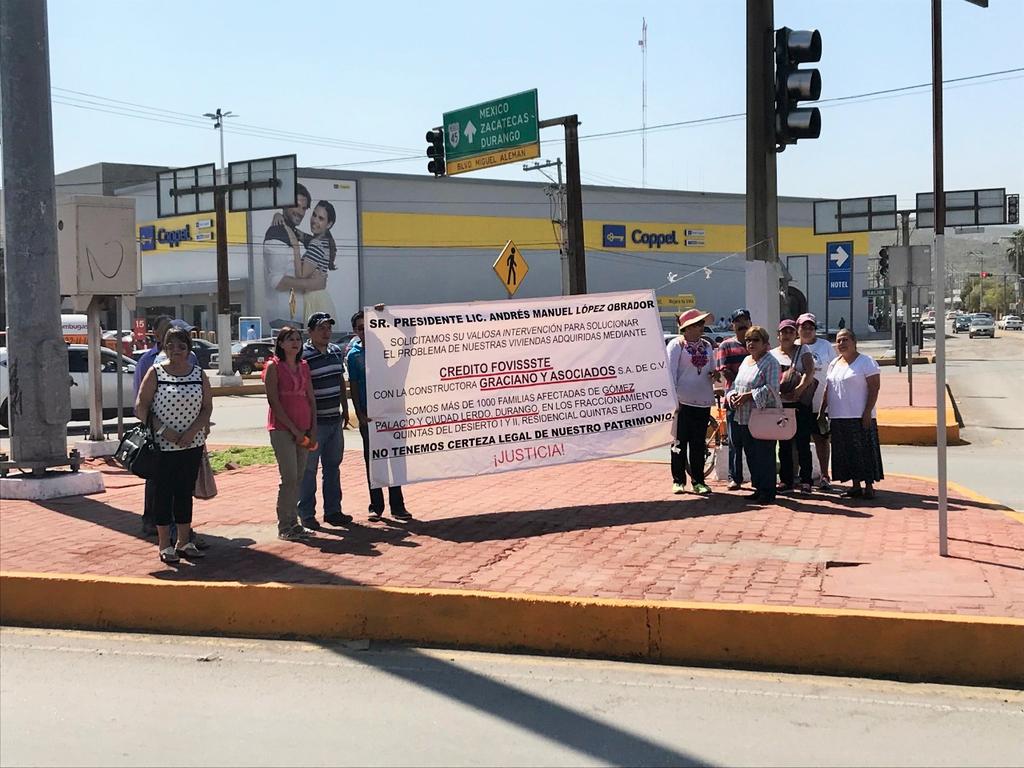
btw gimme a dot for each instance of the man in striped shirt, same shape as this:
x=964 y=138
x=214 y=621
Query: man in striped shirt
x=326 y=367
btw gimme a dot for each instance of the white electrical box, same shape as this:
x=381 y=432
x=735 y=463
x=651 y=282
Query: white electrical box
x=96 y=246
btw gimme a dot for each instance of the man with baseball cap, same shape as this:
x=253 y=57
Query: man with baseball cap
x=327 y=370
x=728 y=358
x=691 y=365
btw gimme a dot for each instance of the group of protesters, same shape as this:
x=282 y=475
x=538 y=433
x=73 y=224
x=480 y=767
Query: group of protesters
x=832 y=391
x=306 y=418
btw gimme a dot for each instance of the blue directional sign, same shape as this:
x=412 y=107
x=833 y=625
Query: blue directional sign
x=840 y=269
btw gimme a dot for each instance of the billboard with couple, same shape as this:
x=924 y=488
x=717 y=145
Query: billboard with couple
x=306 y=256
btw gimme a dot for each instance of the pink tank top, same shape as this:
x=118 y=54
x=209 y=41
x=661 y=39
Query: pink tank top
x=291 y=390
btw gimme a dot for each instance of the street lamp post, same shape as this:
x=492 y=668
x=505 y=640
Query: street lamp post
x=218 y=124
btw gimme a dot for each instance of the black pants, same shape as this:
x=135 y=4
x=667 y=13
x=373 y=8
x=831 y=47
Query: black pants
x=691 y=439
x=761 y=460
x=175 y=482
x=801 y=441
x=395 y=498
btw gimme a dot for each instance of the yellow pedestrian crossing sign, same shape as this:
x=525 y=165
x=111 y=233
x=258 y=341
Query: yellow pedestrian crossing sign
x=511 y=267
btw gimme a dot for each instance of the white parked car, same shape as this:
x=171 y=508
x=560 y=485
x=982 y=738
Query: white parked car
x=78 y=369
x=1010 y=323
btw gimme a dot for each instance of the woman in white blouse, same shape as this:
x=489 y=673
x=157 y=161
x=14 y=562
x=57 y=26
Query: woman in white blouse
x=851 y=391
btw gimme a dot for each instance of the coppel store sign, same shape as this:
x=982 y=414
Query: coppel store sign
x=614 y=236
x=150 y=235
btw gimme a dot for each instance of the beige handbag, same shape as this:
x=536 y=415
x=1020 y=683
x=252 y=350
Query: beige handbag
x=206 y=486
x=772 y=423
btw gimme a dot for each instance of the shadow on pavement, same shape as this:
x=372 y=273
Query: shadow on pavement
x=518 y=524
x=234 y=558
x=571 y=728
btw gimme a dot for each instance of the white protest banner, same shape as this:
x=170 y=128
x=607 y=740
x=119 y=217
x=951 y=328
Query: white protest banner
x=465 y=389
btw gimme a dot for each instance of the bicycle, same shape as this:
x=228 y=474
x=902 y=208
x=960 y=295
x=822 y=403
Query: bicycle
x=717 y=435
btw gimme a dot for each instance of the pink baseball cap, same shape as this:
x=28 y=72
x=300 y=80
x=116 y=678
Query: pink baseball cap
x=807 y=317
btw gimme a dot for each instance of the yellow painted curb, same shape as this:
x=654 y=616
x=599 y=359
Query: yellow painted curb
x=967 y=493
x=933 y=647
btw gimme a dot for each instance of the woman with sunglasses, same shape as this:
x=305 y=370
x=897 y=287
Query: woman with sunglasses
x=756 y=386
x=851 y=391
x=175 y=398
x=795 y=385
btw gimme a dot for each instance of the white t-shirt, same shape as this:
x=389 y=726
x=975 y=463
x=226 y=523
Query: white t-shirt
x=848 y=387
x=690 y=367
x=822 y=353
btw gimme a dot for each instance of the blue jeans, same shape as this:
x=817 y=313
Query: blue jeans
x=330 y=448
x=737 y=439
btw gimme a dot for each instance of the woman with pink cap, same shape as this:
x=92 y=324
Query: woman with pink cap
x=691 y=364
x=822 y=353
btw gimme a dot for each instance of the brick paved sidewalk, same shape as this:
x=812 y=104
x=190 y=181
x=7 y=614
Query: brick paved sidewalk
x=600 y=529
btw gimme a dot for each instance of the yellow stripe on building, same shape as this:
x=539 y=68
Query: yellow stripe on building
x=382 y=229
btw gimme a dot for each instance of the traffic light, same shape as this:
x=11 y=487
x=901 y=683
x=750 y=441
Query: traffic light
x=883 y=263
x=1013 y=209
x=793 y=85
x=435 y=151
x=985 y=274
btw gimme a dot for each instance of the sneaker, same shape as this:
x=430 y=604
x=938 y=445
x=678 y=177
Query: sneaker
x=297 y=533
x=169 y=555
x=677 y=487
x=374 y=516
x=824 y=484
x=401 y=514
x=190 y=551
x=701 y=490
x=339 y=519
x=312 y=524
x=805 y=488
x=733 y=485
x=199 y=541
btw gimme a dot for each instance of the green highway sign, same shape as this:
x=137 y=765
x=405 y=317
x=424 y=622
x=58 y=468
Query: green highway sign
x=492 y=133
x=875 y=292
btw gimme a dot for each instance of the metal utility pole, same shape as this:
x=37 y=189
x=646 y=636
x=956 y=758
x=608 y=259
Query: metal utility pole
x=643 y=98
x=224 y=366
x=557 y=194
x=762 y=280
x=37 y=357
x=573 y=203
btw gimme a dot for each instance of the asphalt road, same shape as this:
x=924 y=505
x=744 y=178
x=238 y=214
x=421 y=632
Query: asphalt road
x=75 y=698
x=986 y=377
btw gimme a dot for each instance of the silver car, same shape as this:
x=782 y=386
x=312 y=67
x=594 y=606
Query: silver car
x=982 y=325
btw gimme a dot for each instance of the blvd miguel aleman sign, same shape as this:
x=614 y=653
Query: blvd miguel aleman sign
x=492 y=133
x=457 y=390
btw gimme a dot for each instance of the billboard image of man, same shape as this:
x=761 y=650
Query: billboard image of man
x=283 y=289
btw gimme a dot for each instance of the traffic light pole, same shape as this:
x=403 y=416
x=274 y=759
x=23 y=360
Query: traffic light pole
x=762 y=281
x=573 y=202
x=37 y=358
x=939 y=274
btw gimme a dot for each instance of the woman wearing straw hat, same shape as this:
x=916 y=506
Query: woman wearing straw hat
x=691 y=364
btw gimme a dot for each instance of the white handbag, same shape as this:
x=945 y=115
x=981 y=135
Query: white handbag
x=772 y=423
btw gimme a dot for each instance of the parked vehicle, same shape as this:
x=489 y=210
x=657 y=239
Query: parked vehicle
x=78 y=368
x=982 y=326
x=249 y=356
x=1010 y=323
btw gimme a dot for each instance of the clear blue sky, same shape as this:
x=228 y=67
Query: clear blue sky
x=382 y=73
